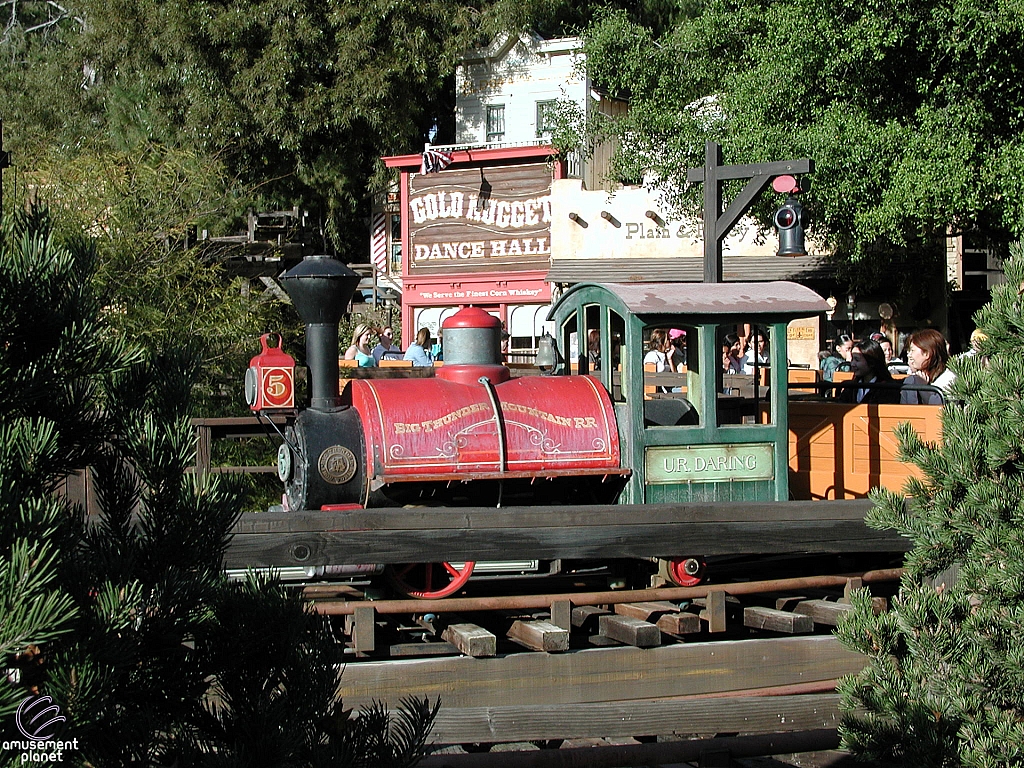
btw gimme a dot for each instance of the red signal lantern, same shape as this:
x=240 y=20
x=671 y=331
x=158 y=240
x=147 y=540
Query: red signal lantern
x=270 y=380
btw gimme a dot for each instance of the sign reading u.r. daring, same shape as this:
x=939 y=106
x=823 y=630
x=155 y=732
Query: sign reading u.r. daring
x=709 y=463
x=481 y=218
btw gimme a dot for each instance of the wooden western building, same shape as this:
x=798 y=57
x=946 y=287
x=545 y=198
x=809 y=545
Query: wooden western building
x=478 y=233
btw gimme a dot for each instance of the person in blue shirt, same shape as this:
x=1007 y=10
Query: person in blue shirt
x=418 y=352
x=360 y=349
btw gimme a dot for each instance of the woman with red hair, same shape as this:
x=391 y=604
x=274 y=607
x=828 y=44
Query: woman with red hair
x=927 y=355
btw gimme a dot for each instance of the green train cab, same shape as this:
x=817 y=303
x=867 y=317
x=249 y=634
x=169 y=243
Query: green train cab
x=688 y=429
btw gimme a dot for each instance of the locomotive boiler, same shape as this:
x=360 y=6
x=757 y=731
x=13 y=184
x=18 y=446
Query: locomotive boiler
x=468 y=435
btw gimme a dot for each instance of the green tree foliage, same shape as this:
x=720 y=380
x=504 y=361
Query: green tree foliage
x=126 y=619
x=155 y=290
x=912 y=112
x=297 y=99
x=54 y=356
x=945 y=682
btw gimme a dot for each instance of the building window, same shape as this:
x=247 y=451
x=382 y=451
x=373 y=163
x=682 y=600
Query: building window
x=395 y=263
x=495 y=122
x=547 y=116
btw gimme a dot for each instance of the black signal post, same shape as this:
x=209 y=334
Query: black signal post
x=718 y=224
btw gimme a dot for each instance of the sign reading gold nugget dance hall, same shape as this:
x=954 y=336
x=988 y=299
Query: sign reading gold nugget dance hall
x=480 y=219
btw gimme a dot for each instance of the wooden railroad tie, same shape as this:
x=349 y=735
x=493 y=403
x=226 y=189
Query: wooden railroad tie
x=362 y=629
x=777 y=621
x=635 y=632
x=827 y=612
x=713 y=609
x=471 y=640
x=539 y=635
x=823 y=611
x=664 y=615
x=403 y=650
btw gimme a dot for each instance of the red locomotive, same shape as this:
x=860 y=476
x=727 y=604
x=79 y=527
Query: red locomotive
x=469 y=435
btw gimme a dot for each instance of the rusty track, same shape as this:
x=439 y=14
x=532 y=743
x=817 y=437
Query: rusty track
x=531 y=602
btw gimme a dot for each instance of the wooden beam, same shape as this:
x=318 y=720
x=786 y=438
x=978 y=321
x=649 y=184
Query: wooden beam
x=363 y=628
x=749 y=714
x=281 y=539
x=714 y=612
x=586 y=616
x=664 y=615
x=602 y=674
x=679 y=623
x=646 y=611
x=539 y=635
x=635 y=632
x=561 y=614
x=823 y=611
x=777 y=621
x=675 y=753
x=471 y=640
x=400 y=650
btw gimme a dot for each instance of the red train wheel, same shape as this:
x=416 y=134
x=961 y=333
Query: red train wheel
x=687 y=571
x=427 y=581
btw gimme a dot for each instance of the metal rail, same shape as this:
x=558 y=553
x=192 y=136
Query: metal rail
x=533 y=602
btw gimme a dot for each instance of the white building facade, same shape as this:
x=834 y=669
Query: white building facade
x=508 y=92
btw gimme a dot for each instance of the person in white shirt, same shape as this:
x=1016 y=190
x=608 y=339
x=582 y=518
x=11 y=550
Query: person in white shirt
x=658 y=351
x=927 y=355
x=758 y=352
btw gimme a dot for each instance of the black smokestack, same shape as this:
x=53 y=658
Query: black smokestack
x=320 y=287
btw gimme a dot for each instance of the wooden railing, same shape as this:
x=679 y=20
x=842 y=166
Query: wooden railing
x=839 y=451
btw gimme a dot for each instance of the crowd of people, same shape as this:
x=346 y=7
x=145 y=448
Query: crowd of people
x=421 y=353
x=741 y=354
x=879 y=376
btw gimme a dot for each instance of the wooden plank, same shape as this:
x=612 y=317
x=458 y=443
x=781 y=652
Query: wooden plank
x=539 y=635
x=602 y=674
x=747 y=714
x=402 y=650
x=629 y=631
x=561 y=614
x=471 y=640
x=714 y=613
x=851 y=585
x=600 y=532
x=586 y=616
x=823 y=611
x=578 y=516
x=777 y=621
x=363 y=629
x=646 y=611
x=666 y=616
x=679 y=623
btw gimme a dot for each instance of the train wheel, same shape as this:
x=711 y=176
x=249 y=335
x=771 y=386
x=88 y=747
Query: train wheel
x=687 y=571
x=427 y=581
